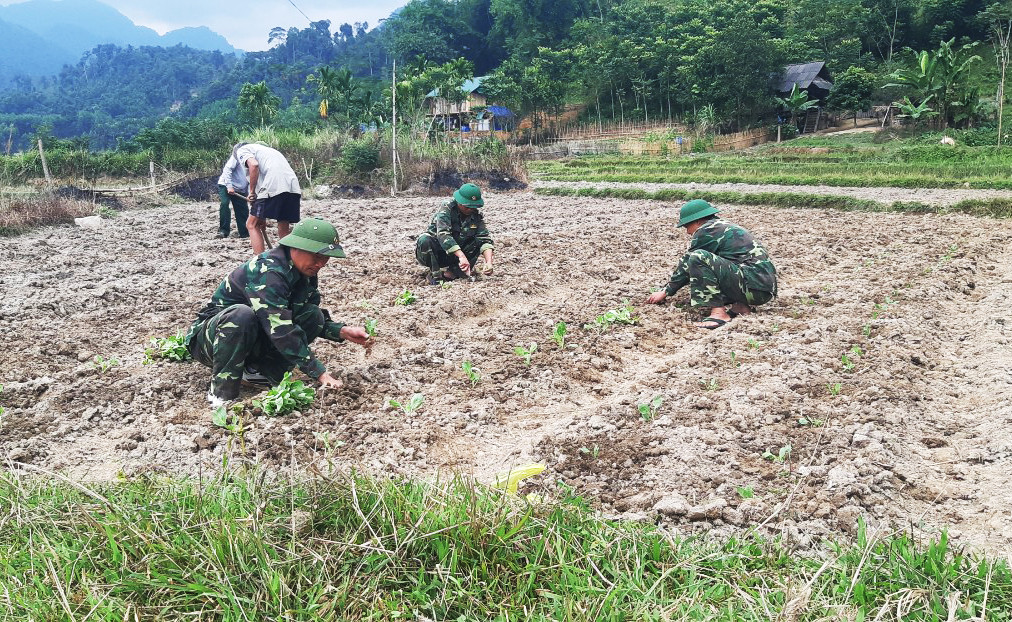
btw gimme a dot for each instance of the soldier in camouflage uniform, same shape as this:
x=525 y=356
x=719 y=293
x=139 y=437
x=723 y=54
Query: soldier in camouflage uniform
x=725 y=266
x=457 y=228
x=262 y=318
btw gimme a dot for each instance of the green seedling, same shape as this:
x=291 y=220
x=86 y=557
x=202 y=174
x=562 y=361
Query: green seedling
x=288 y=396
x=710 y=385
x=847 y=363
x=805 y=300
x=734 y=359
x=228 y=418
x=365 y=304
x=473 y=373
x=746 y=492
x=103 y=365
x=559 y=334
x=594 y=452
x=526 y=353
x=856 y=350
x=622 y=315
x=753 y=344
x=775 y=328
x=648 y=410
x=834 y=388
x=166 y=348
x=811 y=421
x=370 y=327
x=324 y=438
x=866 y=330
x=781 y=456
x=410 y=406
x=446 y=285
x=405 y=298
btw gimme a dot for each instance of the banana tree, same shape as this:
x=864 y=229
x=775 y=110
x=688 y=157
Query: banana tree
x=916 y=113
x=941 y=74
x=797 y=102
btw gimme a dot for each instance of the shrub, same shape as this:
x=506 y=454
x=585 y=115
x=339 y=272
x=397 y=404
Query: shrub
x=360 y=156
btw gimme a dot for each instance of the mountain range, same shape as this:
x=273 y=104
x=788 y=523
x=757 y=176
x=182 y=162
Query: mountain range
x=38 y=37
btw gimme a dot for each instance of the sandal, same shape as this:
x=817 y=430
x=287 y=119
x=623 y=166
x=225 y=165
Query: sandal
x=718 y=323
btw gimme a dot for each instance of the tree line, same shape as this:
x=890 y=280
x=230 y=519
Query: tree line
x=708 y=61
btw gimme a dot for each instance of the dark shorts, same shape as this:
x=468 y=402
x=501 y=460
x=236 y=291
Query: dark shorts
x=282 y=207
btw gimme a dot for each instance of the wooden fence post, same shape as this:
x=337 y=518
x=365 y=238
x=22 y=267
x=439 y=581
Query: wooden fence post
x=151 y=170
x=45 y=166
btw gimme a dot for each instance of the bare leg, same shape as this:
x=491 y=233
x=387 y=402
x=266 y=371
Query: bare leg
x=741 y=308
x=284 y=228
x=256 y=235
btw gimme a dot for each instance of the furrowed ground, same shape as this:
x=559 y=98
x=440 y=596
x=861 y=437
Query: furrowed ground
x=877 y=385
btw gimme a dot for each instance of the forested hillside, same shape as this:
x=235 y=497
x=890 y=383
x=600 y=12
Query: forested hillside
x=624 y=59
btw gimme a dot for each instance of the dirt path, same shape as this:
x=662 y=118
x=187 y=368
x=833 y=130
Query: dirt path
x=909 y=428
x=928 y=196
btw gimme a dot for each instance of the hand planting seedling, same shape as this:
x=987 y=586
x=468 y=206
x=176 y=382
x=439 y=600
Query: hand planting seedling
x=405 y=298
x=526 y=353
x=472 y=372
x=622 y=315
x=167 y=348
x=410 y=406
x=102 y=364
x=781 y=456
x=289 y=395
x=370 y=327
x=559 y=334
x=649 y=409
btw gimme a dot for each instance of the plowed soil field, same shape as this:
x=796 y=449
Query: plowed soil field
x=883 y=365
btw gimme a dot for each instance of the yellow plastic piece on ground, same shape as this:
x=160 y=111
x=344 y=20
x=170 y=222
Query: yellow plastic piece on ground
x=509 y=481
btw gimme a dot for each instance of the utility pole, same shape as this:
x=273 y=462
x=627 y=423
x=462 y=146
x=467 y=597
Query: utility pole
x=393 y=90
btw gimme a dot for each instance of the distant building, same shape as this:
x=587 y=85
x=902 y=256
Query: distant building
x=472 y=114
x=814 y=79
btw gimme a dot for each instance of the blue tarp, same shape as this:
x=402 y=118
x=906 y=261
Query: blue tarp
x=500 y=111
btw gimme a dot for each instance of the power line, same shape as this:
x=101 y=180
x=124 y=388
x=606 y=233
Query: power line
x=300 y=11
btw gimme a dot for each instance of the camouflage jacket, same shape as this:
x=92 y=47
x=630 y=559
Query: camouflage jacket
x=455 y=232
x=270 y=284
x=732 y=242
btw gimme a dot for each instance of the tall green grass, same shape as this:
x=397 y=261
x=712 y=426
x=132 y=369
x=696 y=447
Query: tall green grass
x=252 y=546
x=991 y=208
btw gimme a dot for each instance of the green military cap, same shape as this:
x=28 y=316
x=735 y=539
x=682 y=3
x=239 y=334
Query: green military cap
x=694 y=210
x=469 y=195
x=316 y=236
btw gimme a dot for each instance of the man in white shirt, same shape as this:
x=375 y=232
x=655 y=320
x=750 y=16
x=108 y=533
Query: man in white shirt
x=232 y=189
x=274 y=191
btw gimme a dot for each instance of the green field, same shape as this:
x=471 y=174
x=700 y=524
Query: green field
x=851 y=160
x=247 y=546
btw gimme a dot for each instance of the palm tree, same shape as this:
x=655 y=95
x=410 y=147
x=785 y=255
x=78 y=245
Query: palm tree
x=257 y=101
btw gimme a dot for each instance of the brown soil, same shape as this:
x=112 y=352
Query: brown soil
x=916 y=436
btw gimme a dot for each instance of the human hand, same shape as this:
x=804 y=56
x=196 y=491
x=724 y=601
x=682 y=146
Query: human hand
x=356 y=334
x=329 y=382
x=657 y=297
x=465 y=265
x=252 y=197
x=486 y=269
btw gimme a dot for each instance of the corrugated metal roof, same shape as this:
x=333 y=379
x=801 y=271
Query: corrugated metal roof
x=500 y=111
x=801 y=74
x=469 y=86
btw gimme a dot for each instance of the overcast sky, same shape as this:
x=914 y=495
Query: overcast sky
x=245 y=23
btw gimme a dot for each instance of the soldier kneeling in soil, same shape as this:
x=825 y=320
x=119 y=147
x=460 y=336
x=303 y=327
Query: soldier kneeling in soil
x=725 y=266
x=263 y=316
x=457 y=228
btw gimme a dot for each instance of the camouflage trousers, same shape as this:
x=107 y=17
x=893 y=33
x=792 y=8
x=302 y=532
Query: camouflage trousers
x=717 y=282
x=430 y=254
x=233 y=339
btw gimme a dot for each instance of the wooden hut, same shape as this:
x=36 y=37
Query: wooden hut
x=814 y=79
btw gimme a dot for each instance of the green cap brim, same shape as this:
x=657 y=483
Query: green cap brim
x=330 y=250
x=699 y=216
x=462 y=200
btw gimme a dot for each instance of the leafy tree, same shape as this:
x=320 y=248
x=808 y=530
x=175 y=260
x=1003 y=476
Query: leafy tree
x=852 y=91
x=941 y=75
x=797 y=102
x=334 y=84
x=998 y=17
x=257 y=102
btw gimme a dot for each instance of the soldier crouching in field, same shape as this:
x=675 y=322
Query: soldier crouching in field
x=262 y=318
x=725 y=266
x=458 y=229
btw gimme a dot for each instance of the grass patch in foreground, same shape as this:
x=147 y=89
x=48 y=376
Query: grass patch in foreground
x=252 y=547
x=991 y=208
